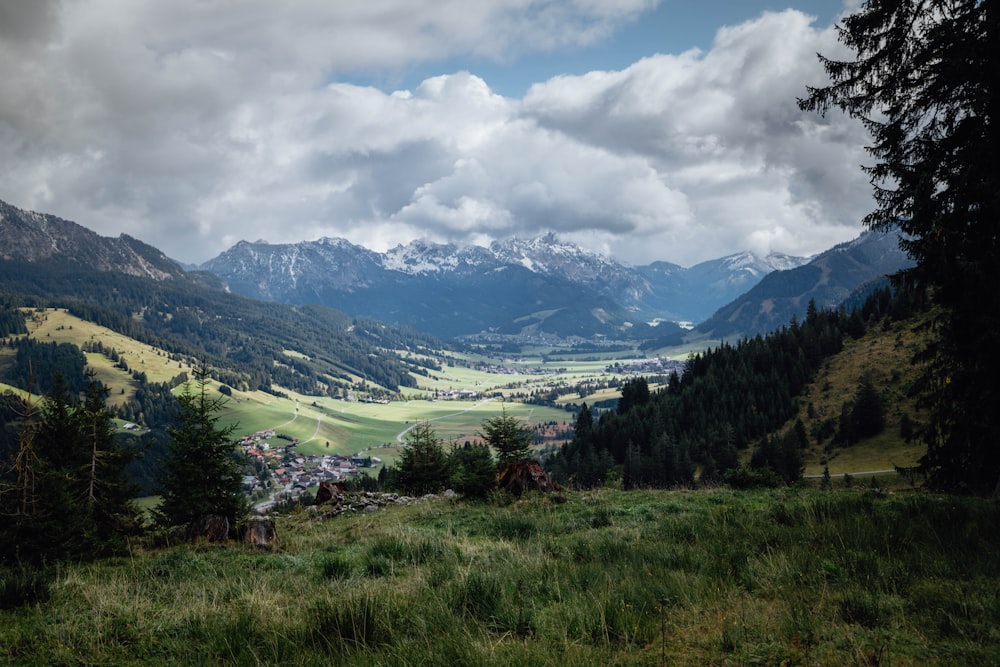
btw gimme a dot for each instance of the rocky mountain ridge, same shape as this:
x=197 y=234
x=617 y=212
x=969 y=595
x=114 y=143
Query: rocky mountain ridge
x=38 y=237
x=581 y=292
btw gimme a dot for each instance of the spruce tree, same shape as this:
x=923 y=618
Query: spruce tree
x=71 y=498
x=473 y=471
x=423 y=466
x=923 y=80
x=508 y=436
x=201 y=476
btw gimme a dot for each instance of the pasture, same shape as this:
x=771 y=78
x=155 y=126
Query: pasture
x=713 y=577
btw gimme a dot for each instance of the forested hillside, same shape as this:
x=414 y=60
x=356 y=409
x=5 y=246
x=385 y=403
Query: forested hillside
x=731 y=401
x=238 y=337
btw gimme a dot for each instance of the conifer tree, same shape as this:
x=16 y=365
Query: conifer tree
x=202 y=475
x=473 y=471
x=423 y=466
x=923 y=80
x=71 y=498
x=508 y=436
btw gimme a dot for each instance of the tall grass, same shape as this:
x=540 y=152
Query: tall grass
x=606 y=578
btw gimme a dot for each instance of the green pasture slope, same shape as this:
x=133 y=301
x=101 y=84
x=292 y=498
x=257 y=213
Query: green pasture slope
x=350 y=426
x=714 y=577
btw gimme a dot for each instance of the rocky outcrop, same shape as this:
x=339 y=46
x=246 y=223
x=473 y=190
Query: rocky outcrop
x=369 y=501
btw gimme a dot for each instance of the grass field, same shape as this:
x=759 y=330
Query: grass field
x=350 y=427
x=716 y=577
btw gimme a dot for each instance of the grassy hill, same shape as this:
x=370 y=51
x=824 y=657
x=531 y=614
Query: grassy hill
x=885 y=354
x=791 y=576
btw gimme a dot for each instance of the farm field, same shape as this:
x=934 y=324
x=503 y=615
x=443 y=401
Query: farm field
x=351 y=426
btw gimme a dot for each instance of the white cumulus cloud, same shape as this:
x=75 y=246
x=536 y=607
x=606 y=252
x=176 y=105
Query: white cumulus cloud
x=193 y=125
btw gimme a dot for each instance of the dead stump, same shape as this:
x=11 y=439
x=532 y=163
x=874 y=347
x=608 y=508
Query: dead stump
x=518 y=477
x=260 y=532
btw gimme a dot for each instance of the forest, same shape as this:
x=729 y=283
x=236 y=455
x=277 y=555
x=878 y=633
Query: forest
x=730 y=398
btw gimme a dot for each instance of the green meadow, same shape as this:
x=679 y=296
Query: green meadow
x=351 y=426
x=347 y=426
x=714 y=577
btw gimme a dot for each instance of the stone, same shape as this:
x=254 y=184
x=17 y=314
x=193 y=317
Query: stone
x=330 y=492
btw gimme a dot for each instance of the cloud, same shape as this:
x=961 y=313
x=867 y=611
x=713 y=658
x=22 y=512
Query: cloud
x=195 y=125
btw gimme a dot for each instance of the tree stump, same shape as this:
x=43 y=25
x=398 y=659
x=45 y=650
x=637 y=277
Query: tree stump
x=260 y=532
x=330 y=492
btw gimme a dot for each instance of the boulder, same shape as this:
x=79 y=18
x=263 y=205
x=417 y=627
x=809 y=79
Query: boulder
x=330 y=492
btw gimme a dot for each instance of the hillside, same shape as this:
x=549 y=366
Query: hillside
x=827 y=280
x=603 y=578
x=137 y=291
x=229 y=332
x=885 y=355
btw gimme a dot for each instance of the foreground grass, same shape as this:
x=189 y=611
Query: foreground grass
x=606 y=578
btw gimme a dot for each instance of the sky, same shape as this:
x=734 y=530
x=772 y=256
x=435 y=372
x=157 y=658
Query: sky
x=645 y=130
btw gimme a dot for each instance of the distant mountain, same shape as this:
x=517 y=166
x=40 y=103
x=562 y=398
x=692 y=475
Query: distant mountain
x=829 y=279
x=515 y=286
x=132 y=288
x=694 y=294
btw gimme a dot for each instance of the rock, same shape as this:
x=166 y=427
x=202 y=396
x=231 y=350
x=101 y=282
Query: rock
x=449 y=494
x=371 y=508
x=330 y=492
x=260 y=532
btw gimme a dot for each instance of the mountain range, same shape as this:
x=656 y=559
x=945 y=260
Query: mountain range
x=533 y=286
x=514 y=286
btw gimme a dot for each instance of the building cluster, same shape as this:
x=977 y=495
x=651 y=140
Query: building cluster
x=652 y=366
x=297 y=472
x=456 y=395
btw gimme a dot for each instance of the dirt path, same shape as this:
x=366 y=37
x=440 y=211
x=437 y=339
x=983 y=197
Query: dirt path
x=402 y=434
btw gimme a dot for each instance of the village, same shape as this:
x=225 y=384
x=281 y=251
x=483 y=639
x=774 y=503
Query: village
x=282 y=473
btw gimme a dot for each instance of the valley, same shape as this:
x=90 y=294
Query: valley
x=468 y=388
